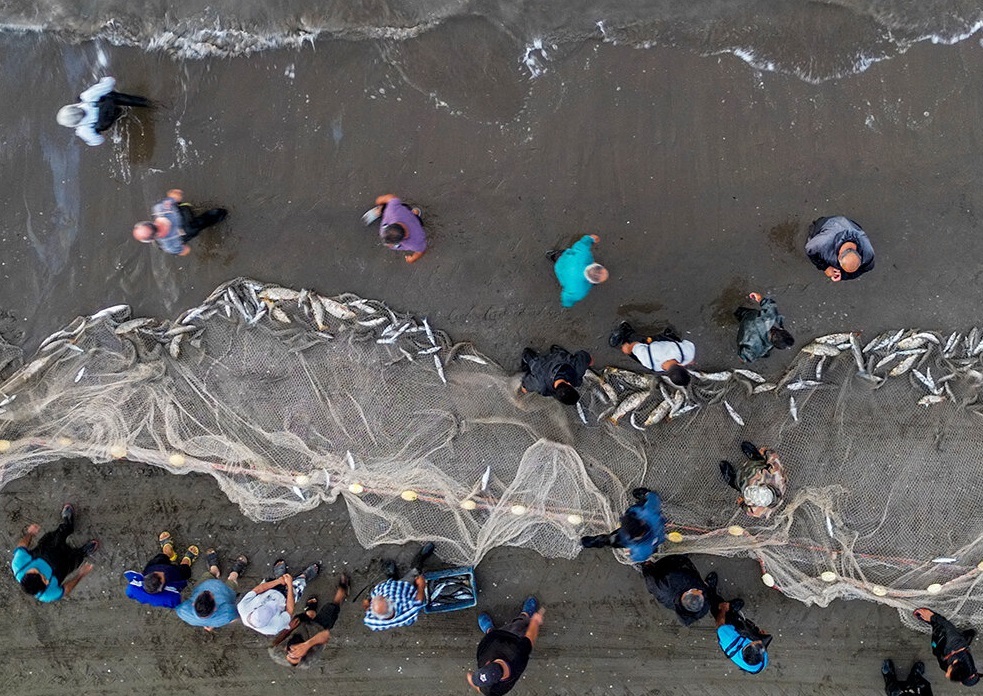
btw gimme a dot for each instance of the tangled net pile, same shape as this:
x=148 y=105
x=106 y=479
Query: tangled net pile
x=289 y=399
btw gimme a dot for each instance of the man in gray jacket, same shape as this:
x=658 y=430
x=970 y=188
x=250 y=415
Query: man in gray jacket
x=838 y=247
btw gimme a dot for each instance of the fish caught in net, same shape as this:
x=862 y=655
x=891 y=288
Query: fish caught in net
x=290 y=399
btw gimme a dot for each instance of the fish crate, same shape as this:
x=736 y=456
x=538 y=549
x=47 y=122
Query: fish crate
x=439 y=602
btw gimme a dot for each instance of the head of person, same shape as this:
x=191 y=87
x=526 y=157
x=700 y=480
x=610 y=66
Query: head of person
x=635 y=528
x=393 y=234
x=596 y=273
x=678 y=375
x=848 y=258
x=33 y=583
x=693 y=600
x=753 y=653
x=204 y=604
x=153 y=583
x=144 y=231
x=961 y=671
x=380 y=607
x=293 y=640
x=780 y=338
x=70 y=115
x=566 y=394
x=488 y=676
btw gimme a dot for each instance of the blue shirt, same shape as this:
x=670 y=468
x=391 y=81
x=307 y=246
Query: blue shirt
x=23 y=561
x=402 y=600
x=649 y=512
x=569 y=270
x=169 y=596
x=225 y=605
x=732 y=643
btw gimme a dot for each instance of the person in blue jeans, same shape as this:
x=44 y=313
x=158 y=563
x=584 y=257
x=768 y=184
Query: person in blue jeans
x=163 y=578
x=212 y=604
x=642 y=530
x=43 y=572
x=576 y=270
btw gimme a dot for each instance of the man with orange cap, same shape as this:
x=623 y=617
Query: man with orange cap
x=838 y=247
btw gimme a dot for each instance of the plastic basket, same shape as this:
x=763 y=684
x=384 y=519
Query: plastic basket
x=435 y=577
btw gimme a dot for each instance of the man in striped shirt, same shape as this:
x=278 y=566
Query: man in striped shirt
x=397 y=603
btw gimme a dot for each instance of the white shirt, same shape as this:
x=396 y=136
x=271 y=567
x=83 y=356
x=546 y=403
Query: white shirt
x=272 y=600
x=89 y=101
x=653 y=355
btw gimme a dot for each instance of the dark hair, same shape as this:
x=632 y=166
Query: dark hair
x=393 y=234
x=32 y=584
x=634 y=527
x=780 y=338
x=753 y=654
x=566 y=394
x=678 y=375
x=204 y=604
x=961 y=672
x=152 y=583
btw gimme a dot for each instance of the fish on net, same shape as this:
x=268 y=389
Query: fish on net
x=290 y=399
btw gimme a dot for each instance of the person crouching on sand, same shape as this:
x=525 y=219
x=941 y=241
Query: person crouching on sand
x=401 y=228
x=840 y=248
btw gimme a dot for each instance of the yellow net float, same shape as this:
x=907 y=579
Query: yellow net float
x=356 y=488
x=468 y=504
x=176 y=459
x=519 y=510
x=302 y=480
x=827 y=576
x=674 y=537
x=575 y=519
x=409 y=496
x=735 y=530
x=934 y=588
x=4 y=445
x=118 y=451
x=64 y=441
x=879 y=590
x=768 y=579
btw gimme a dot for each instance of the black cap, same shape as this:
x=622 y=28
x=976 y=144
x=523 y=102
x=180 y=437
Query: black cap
x=489 y=675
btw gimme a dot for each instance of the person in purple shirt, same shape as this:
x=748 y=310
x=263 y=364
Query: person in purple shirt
x=162 y=579
x=401 y=228
x=213 y=602
x=43 y=571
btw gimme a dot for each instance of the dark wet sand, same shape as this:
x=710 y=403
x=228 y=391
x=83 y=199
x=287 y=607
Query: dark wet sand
x=699 y=175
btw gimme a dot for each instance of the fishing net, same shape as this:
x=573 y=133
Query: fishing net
x=289 y=399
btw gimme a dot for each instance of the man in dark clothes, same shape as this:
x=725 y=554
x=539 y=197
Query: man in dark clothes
x=838 y=247
x=676 y=583
x=741 y=640
x=951 y=647
x=301 y=643
x=42 y=572
x=163 y=578
x=915 y=685
x=504 y=652
x=174 y=224
x=762 y=328
x=642 y=530
x=555 y=374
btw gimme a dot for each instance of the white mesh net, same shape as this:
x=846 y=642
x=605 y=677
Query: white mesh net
x=289 y=399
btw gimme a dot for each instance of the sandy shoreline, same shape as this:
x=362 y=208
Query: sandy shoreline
x=699 y=175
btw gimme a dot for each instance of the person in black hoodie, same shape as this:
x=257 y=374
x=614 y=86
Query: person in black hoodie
x=676 y=583
x=556 y=374
x=951 y=647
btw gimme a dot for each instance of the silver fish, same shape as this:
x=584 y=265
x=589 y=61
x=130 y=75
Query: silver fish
x=632 y=379
x=258 y=315
x=8 y=399
x=350 y=459
x=792 y=409
x=631 y=420
x=944 y=559
x=130 y=325
x=930 y=399
x=629 y=404
x=372 y=322
x=426 y=327
x=761 y=388
x=336 y=309
x=659 y=413
x=428 y=351
x=819 y=368
x=733 y=414
x=440 y=368
x=903 y=366
x=833 y=339
x=713 y=376
x=79 y=374
x=299 y=493
x=677 y=400
x=821 y=349
x=318 y=310
x=119 y=312
x=951 y=343
x=685 y=409
x=885 y=360
x=926 y=380
x=858 y=356
x=474 y=359
x=280 y=315
x=174 y=348
x=751 y=375
x=174 y=331
x=277 y=294
x=485 y=478
x=801 y=384
x=580 y=408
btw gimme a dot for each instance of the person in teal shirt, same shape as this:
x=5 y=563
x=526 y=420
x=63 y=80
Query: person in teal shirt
x=576 y=270
x=44 y=571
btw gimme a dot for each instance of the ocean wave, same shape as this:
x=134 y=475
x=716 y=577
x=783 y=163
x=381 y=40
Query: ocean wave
x=811 y=41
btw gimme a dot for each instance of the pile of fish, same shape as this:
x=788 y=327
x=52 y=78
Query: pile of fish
x=452 y=592
x=315 y=318
x=648 y=399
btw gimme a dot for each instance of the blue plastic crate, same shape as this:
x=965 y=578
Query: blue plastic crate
x=435 y=577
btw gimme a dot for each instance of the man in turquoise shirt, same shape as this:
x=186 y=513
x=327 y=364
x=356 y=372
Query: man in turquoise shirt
x=42 y=572
x=576 y=270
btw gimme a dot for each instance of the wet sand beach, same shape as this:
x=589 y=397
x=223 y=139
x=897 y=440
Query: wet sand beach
x=699 y=174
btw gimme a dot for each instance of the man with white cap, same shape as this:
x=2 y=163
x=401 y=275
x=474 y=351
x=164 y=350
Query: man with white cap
x=760 y=480
x=97 y=110
x=269 y=606
x=504 y=652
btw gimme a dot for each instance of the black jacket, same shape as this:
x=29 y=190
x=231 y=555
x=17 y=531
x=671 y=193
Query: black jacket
x=668 y=578
x=542 y=371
